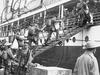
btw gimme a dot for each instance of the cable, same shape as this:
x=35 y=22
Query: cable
x=19 y=7
x=45 y=8
x=14 y=4
x=25 y=4
x=62 y=55
x=3 y=11
x=82 y=37
x=44 y=5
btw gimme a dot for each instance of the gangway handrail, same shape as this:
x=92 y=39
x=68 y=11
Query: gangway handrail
x=67 y=36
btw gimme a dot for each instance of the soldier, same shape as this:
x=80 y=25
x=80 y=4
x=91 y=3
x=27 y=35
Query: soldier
x=24 y=57
x=7 y=57
x=83 y=12
x=33 y=34
x=50 y=28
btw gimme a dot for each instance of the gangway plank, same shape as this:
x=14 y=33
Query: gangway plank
x=67 y=35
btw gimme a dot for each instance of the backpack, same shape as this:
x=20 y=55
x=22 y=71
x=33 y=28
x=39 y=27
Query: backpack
x=5 y=55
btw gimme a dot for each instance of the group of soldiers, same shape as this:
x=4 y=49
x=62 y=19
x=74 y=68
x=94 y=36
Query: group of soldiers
x=15 y=61
x=82 y=16
x=34 y=30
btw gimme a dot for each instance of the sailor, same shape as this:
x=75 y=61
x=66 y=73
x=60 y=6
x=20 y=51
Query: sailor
x=87 y=63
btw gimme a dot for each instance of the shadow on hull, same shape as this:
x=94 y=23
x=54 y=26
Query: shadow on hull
x=62 y=56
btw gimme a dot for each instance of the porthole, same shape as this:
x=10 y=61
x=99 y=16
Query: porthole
x=67 y=40
x=86 y=38
x=74 y=39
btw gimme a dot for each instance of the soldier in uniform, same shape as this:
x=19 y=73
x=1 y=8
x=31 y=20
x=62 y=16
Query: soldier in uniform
x=33 y=34
x=83 y=12
x=7 y=57
x=24 y=57
x=50 y=28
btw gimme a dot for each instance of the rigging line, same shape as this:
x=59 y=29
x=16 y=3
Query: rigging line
x=45 y=10
x=11 y=9
x=25 y=4
x=19 y=7
x=3 y=11
x=82 y=37
x=43 y=4
x=62 y=55
x=14 y=4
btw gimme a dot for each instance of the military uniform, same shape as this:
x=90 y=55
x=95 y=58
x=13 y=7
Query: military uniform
x=50 y=28
x=83 y=12
x=23 y=60
x=7 y=58
x=33 y=34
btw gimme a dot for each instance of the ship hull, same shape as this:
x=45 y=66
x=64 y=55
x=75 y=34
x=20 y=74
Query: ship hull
x=62 y=56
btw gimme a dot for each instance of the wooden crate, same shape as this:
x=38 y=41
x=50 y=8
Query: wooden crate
x=2 y=71
x=50 y=71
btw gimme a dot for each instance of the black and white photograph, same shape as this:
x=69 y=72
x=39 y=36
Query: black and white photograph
x=49 y=37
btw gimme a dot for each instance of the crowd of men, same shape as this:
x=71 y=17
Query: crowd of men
x=15 y=60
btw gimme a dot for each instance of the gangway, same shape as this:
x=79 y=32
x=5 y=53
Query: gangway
x=69 y=32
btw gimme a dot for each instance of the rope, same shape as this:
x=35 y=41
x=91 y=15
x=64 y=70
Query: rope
x=61 y=58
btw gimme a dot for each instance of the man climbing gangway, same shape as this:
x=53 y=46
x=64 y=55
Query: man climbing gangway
x=83 y=15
